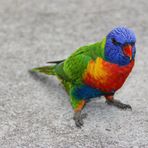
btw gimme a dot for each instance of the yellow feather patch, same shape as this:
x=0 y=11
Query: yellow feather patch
x=96 y=70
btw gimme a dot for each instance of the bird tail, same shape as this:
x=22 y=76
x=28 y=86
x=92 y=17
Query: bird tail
x=49 y=70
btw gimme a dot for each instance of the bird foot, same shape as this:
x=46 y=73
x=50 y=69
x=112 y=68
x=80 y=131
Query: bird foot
x=118 y=104
x=78 y=118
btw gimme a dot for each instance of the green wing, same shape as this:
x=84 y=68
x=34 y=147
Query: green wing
x=73 y=67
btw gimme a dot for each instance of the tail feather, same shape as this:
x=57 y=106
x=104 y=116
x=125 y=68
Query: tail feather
x=49 y=70
x=56 y=62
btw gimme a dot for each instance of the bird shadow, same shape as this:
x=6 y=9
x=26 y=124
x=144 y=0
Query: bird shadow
x=38 y=77
x=49 y=83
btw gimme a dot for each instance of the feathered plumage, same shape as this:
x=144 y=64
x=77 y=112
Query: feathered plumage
x=96 y=69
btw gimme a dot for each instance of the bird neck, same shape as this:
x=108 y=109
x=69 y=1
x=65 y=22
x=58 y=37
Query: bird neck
x=99 y=52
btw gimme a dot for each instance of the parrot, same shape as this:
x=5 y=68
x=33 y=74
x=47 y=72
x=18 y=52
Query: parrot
x=95 y=70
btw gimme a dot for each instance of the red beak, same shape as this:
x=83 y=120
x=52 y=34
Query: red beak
x=127 y=50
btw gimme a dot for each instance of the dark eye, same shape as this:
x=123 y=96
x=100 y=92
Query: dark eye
x=132 y=43
x=115 y=42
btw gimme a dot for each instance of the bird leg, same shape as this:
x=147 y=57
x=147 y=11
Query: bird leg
x=111 y=101
x=78 y=117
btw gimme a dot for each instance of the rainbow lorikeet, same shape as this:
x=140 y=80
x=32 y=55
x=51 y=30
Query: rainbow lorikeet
x=94 y=70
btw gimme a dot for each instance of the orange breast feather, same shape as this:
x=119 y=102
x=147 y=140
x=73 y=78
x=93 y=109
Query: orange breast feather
x=106 y=76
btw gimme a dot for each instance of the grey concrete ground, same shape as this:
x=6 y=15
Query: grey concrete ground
x=35 y=112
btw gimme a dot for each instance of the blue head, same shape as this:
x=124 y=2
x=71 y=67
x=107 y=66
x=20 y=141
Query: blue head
x=120 y=46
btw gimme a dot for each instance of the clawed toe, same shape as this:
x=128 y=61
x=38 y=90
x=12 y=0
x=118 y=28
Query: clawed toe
x=79 y=122
x=119 y=104
x=126 y=106
x=78 y=118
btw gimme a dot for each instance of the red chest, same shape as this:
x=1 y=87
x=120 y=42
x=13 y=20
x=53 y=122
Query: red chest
x=106 y=76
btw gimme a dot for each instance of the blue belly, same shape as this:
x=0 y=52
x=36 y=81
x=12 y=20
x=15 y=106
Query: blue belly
x=85 y=92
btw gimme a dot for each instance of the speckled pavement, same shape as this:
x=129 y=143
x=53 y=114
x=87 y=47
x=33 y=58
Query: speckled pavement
x=35 y=111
